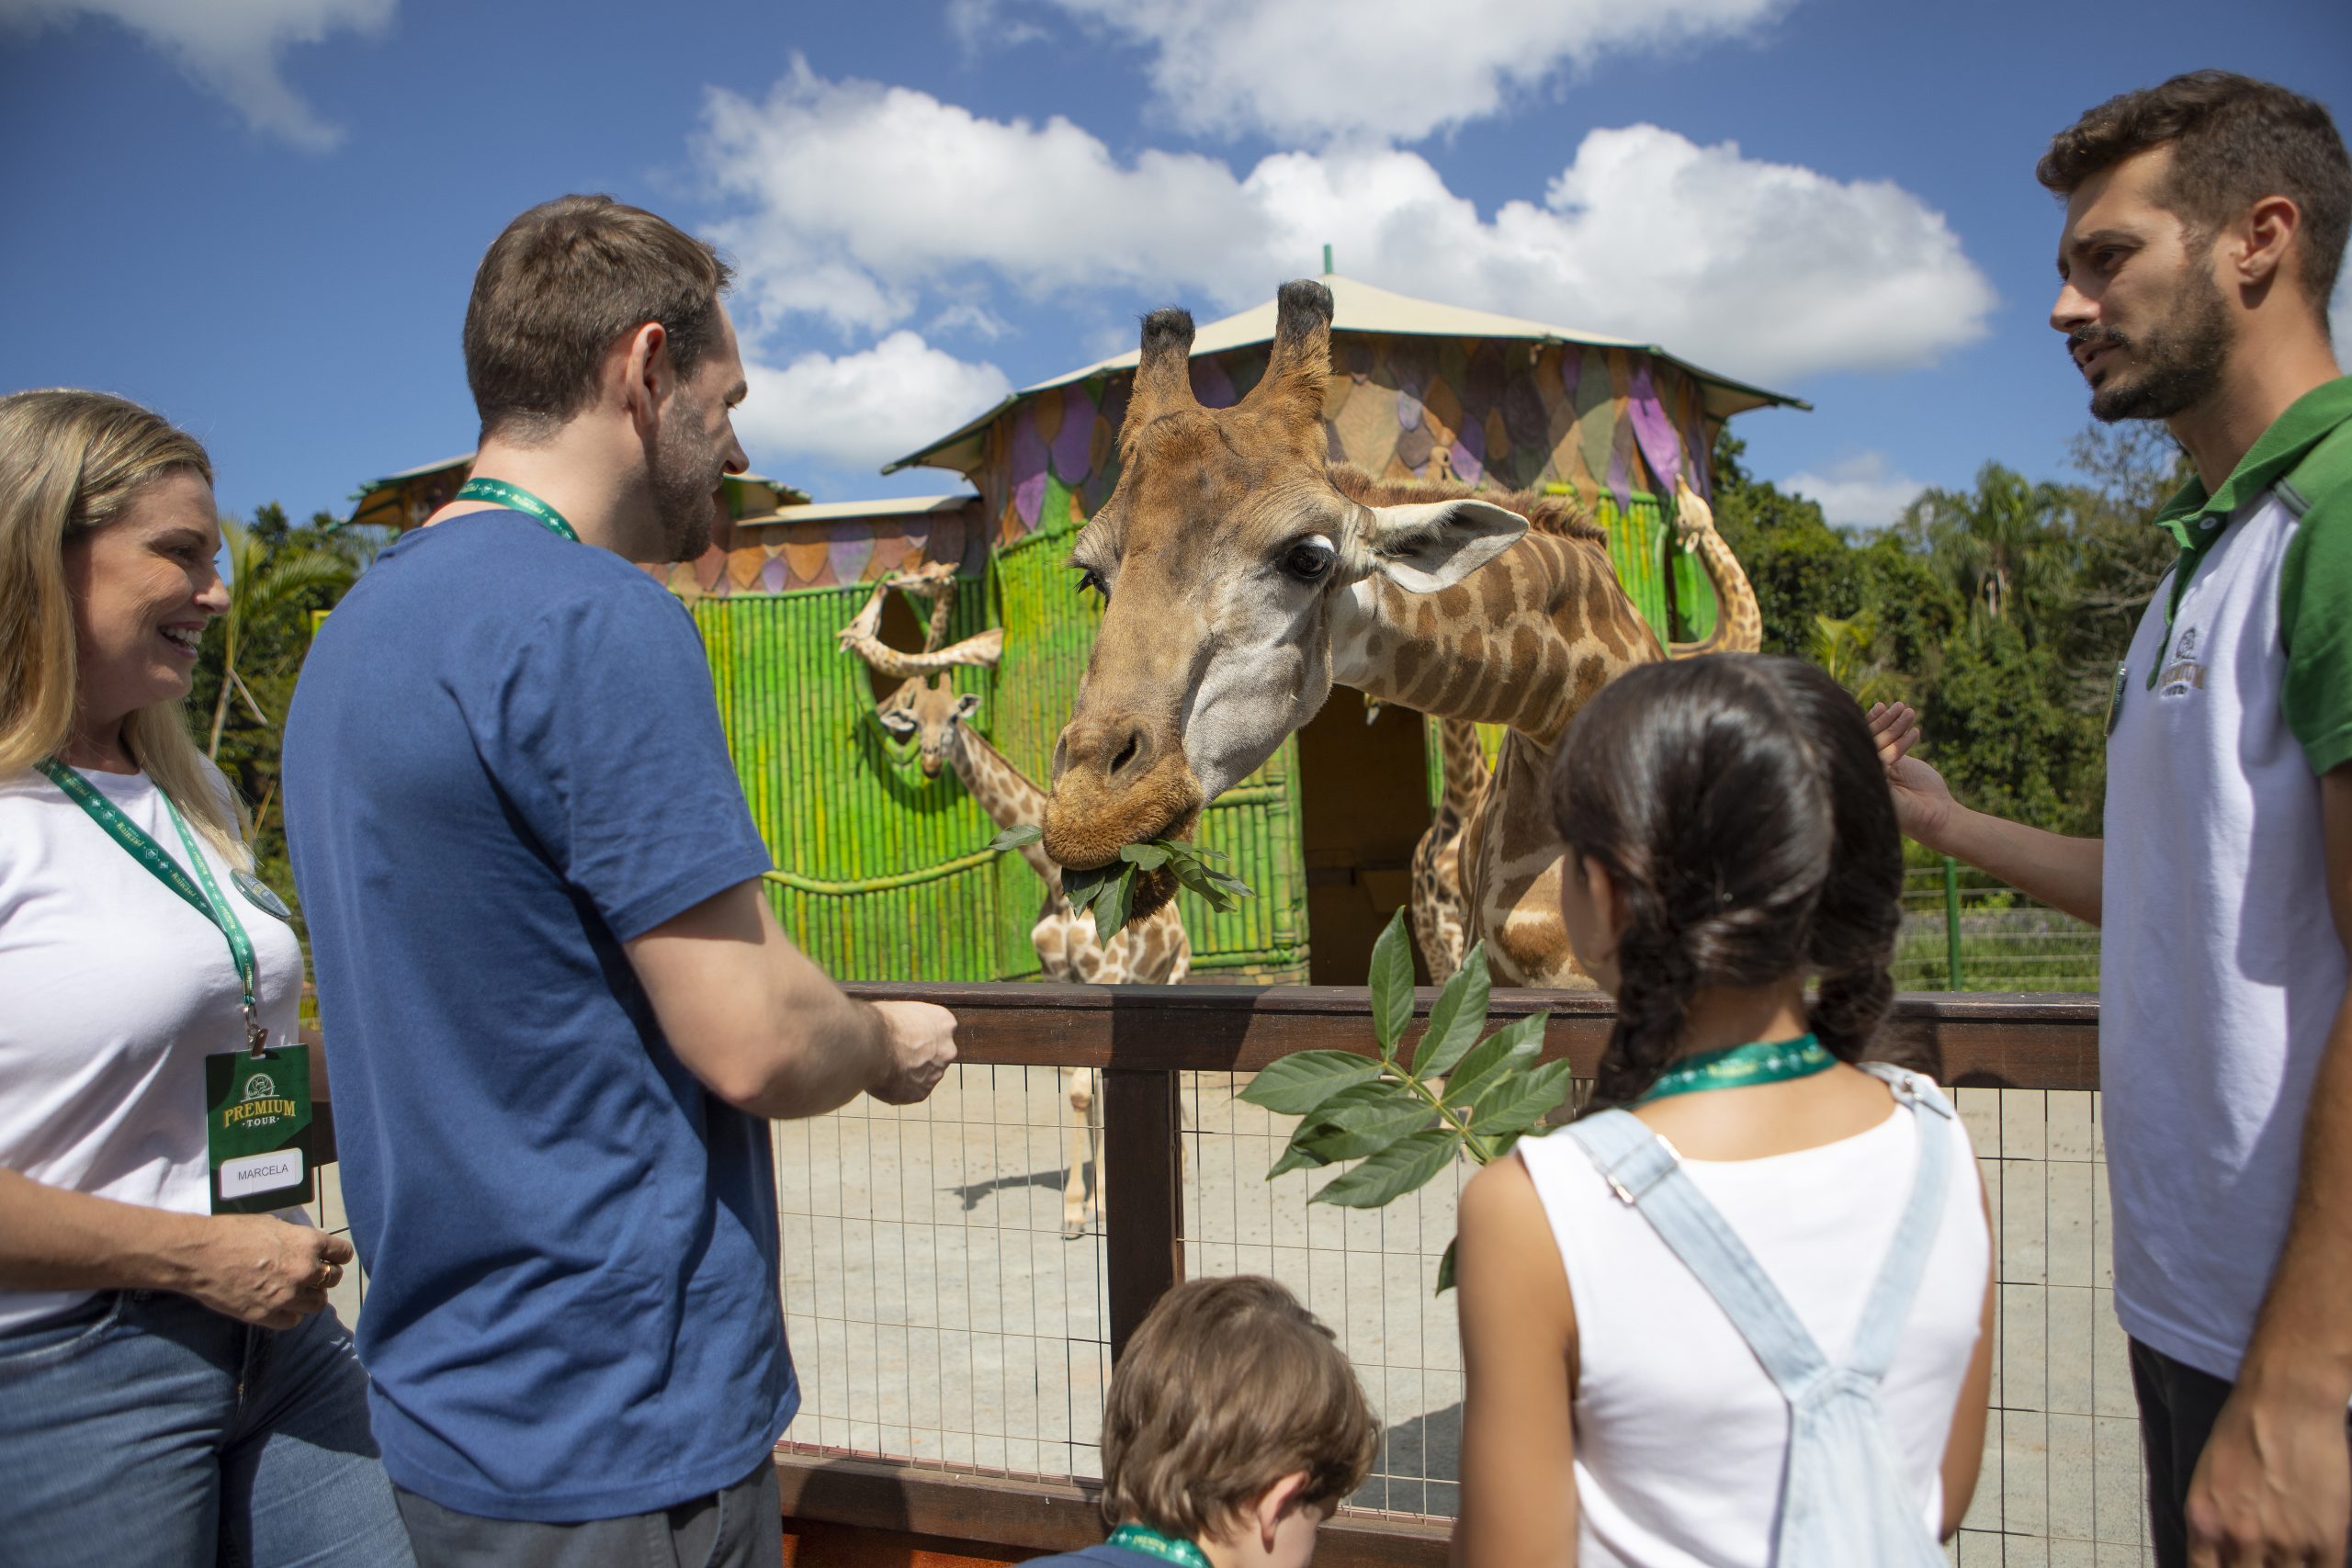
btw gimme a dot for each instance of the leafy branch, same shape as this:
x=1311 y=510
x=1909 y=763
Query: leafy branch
x=1110 y=890
x=1407 y=1118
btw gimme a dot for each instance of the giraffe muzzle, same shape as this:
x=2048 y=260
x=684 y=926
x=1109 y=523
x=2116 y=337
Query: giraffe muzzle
x=1117 y=785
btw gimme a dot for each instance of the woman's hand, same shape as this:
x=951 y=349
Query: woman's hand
x=258 y=1268
x=1923 y=804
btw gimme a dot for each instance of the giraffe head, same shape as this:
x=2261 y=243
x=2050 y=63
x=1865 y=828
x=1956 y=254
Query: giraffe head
x=929 y=708
x=1222 y=555
x=1692 y=516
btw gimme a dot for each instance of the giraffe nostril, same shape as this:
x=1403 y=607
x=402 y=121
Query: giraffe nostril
x=1126 y=754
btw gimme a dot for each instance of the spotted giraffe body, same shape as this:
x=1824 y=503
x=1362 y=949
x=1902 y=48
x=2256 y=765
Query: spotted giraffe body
x=1440 y=906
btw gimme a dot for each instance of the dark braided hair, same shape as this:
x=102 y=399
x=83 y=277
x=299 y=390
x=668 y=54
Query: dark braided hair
x=1738 y=803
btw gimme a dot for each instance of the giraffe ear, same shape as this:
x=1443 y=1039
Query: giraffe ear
x=967 y=704
x=1430 y=545
x=897 y=721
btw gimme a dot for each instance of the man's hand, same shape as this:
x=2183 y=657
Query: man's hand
x=920 y=1042
x=1923 y=803
x=2274 y=1485
x=258 y=1268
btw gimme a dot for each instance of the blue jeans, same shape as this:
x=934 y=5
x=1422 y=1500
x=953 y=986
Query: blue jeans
x=144 y=1427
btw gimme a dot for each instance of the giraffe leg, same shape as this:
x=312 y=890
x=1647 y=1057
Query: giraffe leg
x=1079 y=1086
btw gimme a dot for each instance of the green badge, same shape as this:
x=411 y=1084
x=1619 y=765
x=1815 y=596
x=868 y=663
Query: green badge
x=257 y=1130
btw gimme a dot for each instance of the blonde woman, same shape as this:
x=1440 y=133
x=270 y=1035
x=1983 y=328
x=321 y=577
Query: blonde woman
x=174 y=1387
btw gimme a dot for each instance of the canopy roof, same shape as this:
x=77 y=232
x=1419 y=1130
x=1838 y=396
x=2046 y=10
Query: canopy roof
x=1357 y=308
x=389 y=503
x=848 y=511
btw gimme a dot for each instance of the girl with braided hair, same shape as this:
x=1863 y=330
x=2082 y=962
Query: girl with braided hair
x=1739 y=1313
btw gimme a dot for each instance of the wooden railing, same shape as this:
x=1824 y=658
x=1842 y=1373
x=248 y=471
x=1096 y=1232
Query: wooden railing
x=860 y=1511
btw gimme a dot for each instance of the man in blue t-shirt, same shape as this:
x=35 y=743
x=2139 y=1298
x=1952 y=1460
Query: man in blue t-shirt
x=557 y=1008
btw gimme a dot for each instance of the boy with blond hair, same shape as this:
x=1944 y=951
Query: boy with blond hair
x=1234 y=1426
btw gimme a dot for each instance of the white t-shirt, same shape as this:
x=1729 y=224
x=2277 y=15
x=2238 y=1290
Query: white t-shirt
x=112 y=992
x=2220 y=968
x=1682 y=1437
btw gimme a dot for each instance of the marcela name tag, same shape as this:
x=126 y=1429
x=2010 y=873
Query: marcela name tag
x=251 y=1174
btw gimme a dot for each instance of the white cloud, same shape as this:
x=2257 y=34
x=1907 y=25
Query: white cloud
x=850 y=199
x=1862 y=491
x=1307 y=70
x=229 y=46
x=859 y=411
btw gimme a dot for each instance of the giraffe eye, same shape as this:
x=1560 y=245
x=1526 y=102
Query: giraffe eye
x=1309 y=560
x=1090 y=578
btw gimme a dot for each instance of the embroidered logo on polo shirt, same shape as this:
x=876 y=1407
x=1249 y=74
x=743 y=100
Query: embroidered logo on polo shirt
x=2182 y=674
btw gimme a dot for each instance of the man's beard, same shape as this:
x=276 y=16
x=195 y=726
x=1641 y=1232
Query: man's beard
x=683 y=483
x=2179 y=364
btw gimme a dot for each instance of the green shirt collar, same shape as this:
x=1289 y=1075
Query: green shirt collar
x=2270 y=459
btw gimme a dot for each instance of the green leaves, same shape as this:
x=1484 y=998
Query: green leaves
x=1400 y=1169
x=1110 y=890
x=1455 y=1021
x=1392 y=986
x=1407 y=1121
x=1304 y=1079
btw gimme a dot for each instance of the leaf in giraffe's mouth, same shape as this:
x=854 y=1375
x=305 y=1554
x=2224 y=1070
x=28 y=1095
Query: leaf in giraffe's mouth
x=1110 y=890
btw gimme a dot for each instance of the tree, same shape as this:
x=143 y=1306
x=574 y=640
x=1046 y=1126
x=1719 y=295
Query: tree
x=278 y=576
x=272 y=576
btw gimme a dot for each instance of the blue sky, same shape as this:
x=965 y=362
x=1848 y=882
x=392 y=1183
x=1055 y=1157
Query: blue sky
x=262 y=216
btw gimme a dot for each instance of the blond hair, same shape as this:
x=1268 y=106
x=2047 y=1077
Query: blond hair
x=1227 y=1386
x=72 y=461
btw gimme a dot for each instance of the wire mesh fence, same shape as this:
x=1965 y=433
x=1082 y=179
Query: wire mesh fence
x=937 y=1310
x=1964 y=932
x=938 y=1314
x=1369 y=1274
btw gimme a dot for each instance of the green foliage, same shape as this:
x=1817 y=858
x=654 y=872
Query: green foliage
x=278 y=575
x=1996 y=611
x=1407 y=1119
x=1110 y=890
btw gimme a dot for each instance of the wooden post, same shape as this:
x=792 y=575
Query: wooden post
x=1143 y=1204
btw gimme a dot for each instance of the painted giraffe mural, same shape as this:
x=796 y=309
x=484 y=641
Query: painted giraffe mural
x=927 y=709
x=1246 y=574
x=1441 y=910
x=1739 y=622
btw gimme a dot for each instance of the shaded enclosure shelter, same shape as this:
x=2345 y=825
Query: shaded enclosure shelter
x=884 y=874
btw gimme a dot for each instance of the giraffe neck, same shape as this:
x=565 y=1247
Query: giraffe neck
x=943 y=607
x=1523 y=641
x=1005 y=793
x=1464 y=764
x=1740 y=625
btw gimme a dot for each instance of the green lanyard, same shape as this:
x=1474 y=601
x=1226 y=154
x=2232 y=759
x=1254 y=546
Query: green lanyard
x=1737 y=1066
x=151 y=854
x=498 y=493
x=1167 y=1548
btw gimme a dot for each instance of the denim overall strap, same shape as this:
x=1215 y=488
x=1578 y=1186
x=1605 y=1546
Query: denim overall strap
x=1889 y=1307
x=1643 y=1170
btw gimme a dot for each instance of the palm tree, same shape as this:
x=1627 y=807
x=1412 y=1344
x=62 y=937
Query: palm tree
x=267 y=585
x=1844 y=648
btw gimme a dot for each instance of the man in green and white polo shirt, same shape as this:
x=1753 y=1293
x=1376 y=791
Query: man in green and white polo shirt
x=2205 y=228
